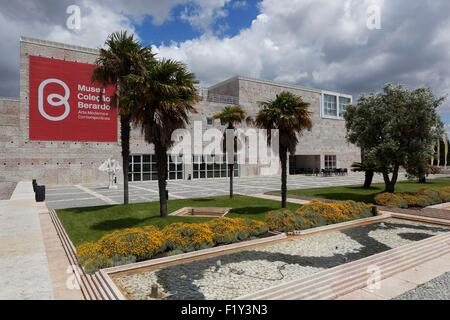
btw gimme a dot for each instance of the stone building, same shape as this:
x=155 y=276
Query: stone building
x=57 y=162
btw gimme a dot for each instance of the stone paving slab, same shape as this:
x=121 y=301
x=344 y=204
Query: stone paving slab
x=70 y=196
x=23 y=262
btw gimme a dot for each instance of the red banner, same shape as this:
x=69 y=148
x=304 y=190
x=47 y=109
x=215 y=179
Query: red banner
x=66 y=106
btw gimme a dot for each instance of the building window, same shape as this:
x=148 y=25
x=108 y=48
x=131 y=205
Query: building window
x=330 y=162
x=209 y=166
x=343 y=103
x=143 y=168
x=330 y=105
x=335 y=105
x=209 y=121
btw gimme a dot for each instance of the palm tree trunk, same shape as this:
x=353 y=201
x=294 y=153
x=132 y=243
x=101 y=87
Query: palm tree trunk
x=125 y=129
x=161 y=163
x=283 y=159
x=231 y=172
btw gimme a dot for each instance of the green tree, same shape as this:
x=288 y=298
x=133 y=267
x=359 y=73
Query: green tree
x=166 y=94
x=231 y=116
x=394 y=128
x=290 y=115
x=122 y=57
x=369 y=170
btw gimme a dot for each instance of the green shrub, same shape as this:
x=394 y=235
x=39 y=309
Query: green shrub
x=137 y=244
x=444 y=194
x=316 y=213
x=254 y=228
x=121 y=247
x=226 y=230
x=281 y=220
x=188 y=237
x=391 y=200
x=423 y=198
x=141 y=243
x=432 y=195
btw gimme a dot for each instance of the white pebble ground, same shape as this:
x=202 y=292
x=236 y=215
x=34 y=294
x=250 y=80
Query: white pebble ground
x=233 y=275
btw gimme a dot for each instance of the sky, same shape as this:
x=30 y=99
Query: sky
x=350 y=46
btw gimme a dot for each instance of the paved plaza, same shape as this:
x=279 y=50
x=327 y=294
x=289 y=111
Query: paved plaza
x=59 y=197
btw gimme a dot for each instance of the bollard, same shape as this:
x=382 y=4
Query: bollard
x=154 y=291
x=374 y=211
x=40 y=194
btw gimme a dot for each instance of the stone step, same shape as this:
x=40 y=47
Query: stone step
x=360 y=269
x=103 y=288
x=342 y=286
x=329 y=273
x=92 y=287
x=395 y=260
x=85 y=289
x=112 y=294
x=106 y=288
x=87 y=283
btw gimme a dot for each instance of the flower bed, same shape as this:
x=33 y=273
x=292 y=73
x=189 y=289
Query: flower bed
x=139 y=244
x=317 y=214
x=421 y=199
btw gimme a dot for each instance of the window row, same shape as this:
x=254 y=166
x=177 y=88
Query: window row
x=143 y=168
x=213 y=167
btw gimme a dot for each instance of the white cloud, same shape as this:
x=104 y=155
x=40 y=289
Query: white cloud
x=202 y=13
x=47 y=20
x=326 y=44
x=320 y=43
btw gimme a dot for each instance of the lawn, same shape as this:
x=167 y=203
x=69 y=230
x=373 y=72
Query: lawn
x=90 y=224
x=357 y=193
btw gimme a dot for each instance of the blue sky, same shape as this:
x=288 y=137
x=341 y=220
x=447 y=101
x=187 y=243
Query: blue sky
x=238 y=15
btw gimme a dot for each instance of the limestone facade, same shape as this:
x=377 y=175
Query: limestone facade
x=71 y=162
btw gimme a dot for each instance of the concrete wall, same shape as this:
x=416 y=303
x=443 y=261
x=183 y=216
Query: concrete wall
x=327 y=136
x=49 y=162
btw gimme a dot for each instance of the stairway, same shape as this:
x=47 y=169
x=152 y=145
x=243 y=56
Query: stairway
x=338 y=281
x=93 y=286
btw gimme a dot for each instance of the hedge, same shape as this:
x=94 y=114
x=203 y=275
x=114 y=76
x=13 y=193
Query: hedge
x=138 y=244
x=316 y=214
x=424 y=198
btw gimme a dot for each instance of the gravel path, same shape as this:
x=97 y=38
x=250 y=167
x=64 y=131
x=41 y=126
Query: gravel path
x=233 y=275
x=436 y=289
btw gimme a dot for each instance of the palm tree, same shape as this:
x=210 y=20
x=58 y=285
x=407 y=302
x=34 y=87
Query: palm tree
x=290 y=115
x=231 y=116
x=167 y=95
x=122 y=57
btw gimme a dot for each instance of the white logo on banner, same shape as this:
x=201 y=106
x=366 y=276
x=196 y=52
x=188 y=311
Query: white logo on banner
x=54 y=99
